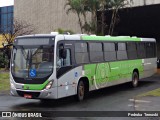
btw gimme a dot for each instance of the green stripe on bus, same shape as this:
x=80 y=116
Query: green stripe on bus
x=109 y=38
x=35 y=86
x=110 y=71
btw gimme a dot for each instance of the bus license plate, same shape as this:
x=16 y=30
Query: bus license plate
x=28 y=96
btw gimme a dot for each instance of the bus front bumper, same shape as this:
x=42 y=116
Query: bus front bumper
x=35 y=94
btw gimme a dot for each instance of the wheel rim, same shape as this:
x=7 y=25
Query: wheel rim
x=81 y=90
x=135 y=81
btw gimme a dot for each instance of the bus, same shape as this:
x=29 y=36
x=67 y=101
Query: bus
x=49 y=66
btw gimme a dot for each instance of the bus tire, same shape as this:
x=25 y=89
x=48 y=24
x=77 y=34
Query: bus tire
x=80 y=90
x=135 y=79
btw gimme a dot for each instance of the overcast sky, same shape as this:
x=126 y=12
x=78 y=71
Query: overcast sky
x=6 y=2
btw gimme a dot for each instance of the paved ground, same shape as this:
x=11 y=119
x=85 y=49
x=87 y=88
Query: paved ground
x=116 y=98
x=147 y=103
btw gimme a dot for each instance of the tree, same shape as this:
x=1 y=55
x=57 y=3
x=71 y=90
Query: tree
x=76 y=6
x=104 y=5
x=93 y=7
x=115 y=6
x=18 y=28
x=81 y=7
x=62 y=31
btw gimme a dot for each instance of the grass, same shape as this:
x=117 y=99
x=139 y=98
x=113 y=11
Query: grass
x=4 y=81
x=154 y=93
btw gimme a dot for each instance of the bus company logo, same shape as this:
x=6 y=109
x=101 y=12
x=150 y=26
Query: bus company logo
x=6 y=114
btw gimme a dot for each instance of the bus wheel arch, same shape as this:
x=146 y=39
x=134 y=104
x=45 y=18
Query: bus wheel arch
x=82 y=88
x=135 y=78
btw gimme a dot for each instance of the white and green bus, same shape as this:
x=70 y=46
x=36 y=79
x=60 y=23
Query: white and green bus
x=55 y=66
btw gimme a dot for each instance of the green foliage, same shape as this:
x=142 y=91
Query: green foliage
x=4 y=81
x=116 y=5
x=155 y=93
x=89 y=27
x=62 y=31
x=75 y=6
x=3 y=61
x=82 y=7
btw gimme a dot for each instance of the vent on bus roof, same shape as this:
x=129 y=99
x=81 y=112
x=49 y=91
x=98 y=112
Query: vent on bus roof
x=54 y=33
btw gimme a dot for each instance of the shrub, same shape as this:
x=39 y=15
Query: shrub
x=3 y=61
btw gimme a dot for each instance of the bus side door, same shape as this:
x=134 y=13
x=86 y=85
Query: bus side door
x=65 y=69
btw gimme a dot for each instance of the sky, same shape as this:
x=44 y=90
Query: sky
x=6 y=2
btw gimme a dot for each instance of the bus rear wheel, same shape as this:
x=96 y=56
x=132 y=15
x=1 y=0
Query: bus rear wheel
x=135 y=79
x=80 y=91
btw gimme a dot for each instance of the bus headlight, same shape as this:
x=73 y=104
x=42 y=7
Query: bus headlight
x=12 y=86
x=49 y=85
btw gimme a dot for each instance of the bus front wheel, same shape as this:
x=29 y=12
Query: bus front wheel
x=80 y=91
x=135 y=79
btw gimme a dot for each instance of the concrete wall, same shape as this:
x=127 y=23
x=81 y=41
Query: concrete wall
x=46 y=15
x=49 y=15
x=145 y=2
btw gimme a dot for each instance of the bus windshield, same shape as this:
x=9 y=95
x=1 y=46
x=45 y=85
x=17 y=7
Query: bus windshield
x=32 y=62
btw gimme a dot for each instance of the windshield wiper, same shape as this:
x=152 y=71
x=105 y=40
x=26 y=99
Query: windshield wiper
x=24 y=53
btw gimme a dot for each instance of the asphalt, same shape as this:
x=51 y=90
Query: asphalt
x=148 y=102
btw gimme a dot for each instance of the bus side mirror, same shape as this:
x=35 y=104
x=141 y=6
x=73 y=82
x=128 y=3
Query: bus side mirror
x=63 y=53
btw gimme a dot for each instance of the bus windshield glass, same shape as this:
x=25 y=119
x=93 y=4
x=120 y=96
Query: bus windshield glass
x=32 y=62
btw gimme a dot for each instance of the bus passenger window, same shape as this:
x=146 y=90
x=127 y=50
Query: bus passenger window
x=122 y=53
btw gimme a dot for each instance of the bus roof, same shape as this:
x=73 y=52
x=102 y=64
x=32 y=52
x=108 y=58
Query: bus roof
x=92 y=37
x=36 y=35
x=117 y=38
x=111 y=38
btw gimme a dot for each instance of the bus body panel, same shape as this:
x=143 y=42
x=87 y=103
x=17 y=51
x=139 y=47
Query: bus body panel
x=17 y=88
x=67 y=83
x=150 y=67
x=101 y=75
